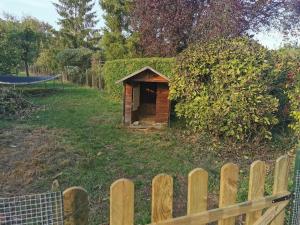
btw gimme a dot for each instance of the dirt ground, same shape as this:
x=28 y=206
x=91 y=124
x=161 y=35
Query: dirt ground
x=30 y=159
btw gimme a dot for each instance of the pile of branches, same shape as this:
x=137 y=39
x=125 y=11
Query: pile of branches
x=13 y=104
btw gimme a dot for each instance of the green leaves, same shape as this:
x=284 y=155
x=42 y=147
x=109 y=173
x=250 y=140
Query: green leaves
x=77 y=21
x=75 y=62
x=294 y=97
x=21 y=42
x=116 y=69
x=221 y=89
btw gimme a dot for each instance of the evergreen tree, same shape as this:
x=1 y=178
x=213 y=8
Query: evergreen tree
x=77 y=22
x=118 y=40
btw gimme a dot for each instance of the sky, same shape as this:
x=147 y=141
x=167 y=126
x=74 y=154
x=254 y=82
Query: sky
x=44 y=10
x=41 y=9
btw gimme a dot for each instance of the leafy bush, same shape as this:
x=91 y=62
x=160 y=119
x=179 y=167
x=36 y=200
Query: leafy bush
x=222 y=89
x=294 y=96
x=117 y=69
x=47 y=61
x=288 y=70
x=285 y=78
x=75 y=62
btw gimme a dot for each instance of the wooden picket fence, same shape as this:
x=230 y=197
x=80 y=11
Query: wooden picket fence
x=76 y=205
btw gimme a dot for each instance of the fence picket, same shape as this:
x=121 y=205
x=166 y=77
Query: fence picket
x=228 y=189
x=281 y=176
x=122 y=202
x=76 y=203
x=256 y=188
x=76 y=206
x=162 y=198
x=197 y=191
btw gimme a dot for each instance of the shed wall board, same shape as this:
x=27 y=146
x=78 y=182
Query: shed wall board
x=128 y=104
x=162 y=104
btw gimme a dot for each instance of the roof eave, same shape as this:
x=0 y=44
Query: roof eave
x=142 y=70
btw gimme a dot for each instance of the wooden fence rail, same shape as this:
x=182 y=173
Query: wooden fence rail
x=122 y=199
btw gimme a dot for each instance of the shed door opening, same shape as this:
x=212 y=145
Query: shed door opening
x=148 y=96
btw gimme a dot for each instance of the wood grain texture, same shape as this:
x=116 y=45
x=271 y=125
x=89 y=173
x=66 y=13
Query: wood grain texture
x=148 y=76
x=271 y=214
x=225 y=212
x=76 y=206
x=162 y=198
x=197 y=191
x=256 y=188
x=122 y=202
x=228 y=189
x=162 y=104
x=128 y=104
x=281 y=176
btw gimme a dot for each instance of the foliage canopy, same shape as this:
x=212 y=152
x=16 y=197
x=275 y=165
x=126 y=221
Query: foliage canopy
x=167 y=27
x=75 y=63
x=77 y=20
x=117 y=69
x=222 y=88
x=118 y=40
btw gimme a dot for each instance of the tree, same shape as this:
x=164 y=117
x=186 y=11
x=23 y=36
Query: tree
x=77 y=22
x=75 y=62
x=119 y=40
x=164 y=26
x=32 y=36
x=222 y=88
x=21 y=42
x=28 y=43
x=9 y=52
x=167 y=27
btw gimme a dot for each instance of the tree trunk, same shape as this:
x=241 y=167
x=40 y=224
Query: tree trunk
x=27 y=69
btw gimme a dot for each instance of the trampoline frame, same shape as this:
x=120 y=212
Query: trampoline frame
x=44 y=80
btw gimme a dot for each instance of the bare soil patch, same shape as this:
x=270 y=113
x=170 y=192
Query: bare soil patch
x=30 y=158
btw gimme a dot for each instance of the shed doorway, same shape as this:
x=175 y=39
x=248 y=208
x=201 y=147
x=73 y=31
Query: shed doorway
x=148 y=95
x=145 y=98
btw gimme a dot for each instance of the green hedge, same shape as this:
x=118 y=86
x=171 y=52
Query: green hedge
x=117 y=69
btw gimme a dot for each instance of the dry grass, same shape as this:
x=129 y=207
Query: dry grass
x=31 y=156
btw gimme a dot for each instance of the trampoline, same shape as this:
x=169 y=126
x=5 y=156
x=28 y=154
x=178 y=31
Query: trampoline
x=16 y=80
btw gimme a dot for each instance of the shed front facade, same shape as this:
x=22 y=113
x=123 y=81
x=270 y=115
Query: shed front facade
x=145 y=98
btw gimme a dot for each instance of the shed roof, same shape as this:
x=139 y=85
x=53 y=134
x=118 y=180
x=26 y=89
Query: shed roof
x=140 y=71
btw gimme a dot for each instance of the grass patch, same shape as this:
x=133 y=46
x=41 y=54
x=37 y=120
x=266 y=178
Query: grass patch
x=89 y=129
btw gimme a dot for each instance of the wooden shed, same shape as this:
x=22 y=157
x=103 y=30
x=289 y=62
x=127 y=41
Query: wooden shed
x=145 y=98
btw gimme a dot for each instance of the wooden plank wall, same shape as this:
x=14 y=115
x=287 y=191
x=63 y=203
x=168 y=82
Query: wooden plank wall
x=128 y=103
x=162 y=103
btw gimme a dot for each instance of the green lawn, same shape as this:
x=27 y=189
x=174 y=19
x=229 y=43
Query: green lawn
x=87 y=124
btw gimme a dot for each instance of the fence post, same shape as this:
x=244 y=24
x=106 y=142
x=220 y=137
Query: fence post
x=295 y=214
x=122 y=202
x=228 y=189
x=162 y=198
x=256 y=188
x=197 y=191
x=281 y=177
x=76 y=206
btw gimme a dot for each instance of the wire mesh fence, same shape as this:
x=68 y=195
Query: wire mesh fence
x=295 y=214
x=39 y=209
